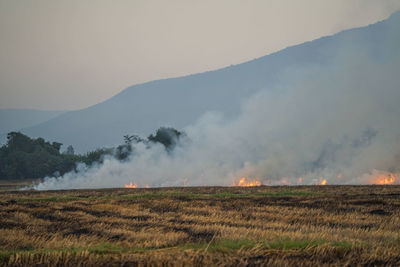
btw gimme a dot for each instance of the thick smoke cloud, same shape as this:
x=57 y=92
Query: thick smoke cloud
x=338 y=121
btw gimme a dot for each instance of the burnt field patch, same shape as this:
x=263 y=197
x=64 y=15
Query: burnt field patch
x=231 y=226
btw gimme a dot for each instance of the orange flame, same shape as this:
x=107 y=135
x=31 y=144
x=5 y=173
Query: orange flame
x=130 y=185
x=323 y=182
x=383 y=178
x=243 y=182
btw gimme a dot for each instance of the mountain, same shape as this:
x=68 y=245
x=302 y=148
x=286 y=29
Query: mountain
x=16 y=119
x=178 y=102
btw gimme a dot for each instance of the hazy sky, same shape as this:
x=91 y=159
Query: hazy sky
x=75 y=53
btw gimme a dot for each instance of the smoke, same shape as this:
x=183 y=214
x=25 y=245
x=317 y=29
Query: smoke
x=339 y=122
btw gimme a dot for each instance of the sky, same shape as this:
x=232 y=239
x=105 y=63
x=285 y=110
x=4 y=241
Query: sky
x=67 y=55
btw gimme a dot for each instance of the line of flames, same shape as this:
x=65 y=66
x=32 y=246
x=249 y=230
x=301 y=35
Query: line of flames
x=377 y=178
x=134 y=185
x=245 y=182
x=131 y=185
x=384 y=178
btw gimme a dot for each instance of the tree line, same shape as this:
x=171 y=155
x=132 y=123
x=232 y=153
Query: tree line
x=23 y=157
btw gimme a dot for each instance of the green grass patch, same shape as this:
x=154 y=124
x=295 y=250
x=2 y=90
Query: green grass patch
x=105 y=249
x=221 y=246
x=229 y=245
x=286 y=244
x=293 y=244
x=5 y=256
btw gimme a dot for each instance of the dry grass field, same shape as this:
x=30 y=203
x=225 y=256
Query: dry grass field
x=212 y=226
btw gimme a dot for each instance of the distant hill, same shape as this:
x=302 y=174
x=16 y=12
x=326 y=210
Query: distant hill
x=16 y=119
x=178 y=102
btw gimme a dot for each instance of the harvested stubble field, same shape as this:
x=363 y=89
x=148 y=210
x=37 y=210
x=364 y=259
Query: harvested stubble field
x=231 y=226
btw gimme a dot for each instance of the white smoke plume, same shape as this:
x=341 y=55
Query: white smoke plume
x=339 y=122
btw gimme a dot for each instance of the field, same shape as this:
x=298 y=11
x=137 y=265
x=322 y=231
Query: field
x=196 y=226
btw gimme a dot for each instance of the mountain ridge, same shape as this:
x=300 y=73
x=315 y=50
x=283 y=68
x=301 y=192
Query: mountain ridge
x=14 y=119
x=179 y=101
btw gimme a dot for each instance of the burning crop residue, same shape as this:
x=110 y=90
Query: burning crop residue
x=246 y=182
x=383 y=178
x=130 y=185
x=134 y=185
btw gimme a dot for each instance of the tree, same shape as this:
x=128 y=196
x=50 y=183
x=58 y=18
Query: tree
x=169 y=137
x=56 y=146
x=129 y=139
x=23 y=157
x=69 y=151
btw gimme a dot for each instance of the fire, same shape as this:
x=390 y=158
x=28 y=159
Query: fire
x=130 y=185
x=300 y=180
x=243 y=182
x=323 y=182
x=384 y=178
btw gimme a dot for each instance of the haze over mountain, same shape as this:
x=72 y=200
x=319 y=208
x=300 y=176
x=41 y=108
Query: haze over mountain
x=178 y=102
x=16 y=119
